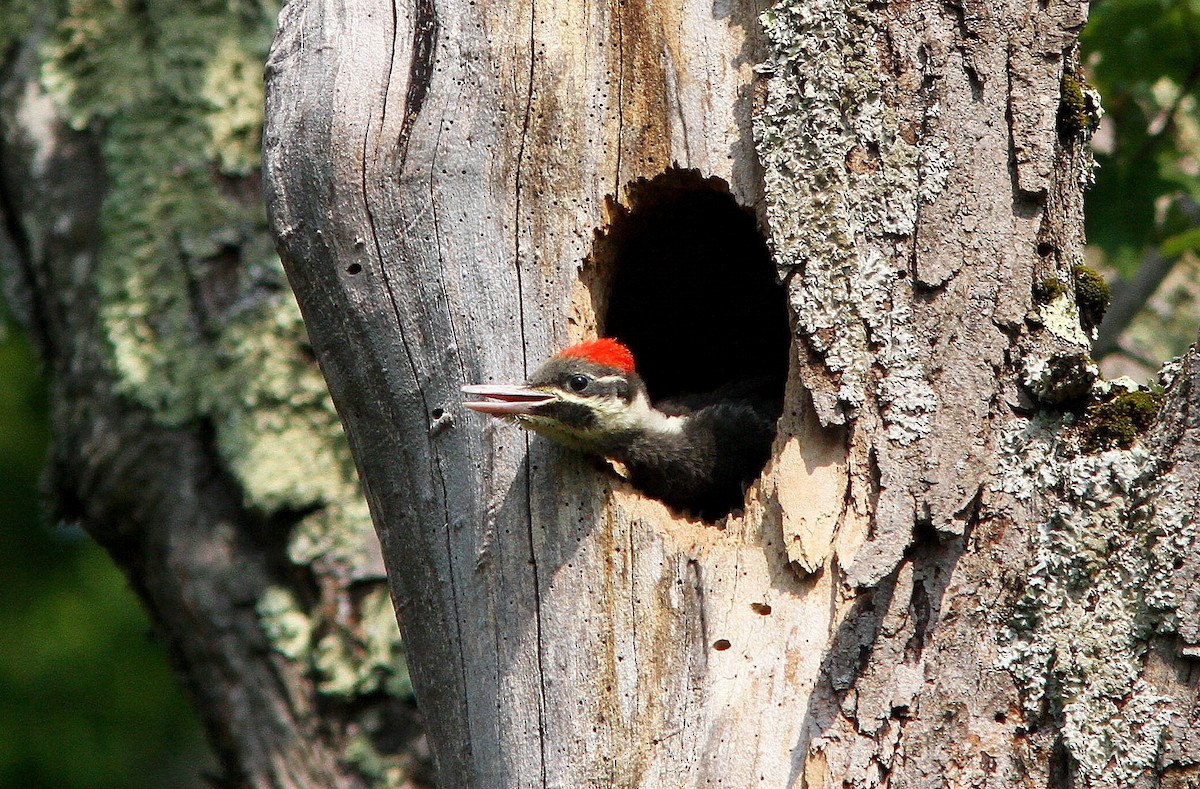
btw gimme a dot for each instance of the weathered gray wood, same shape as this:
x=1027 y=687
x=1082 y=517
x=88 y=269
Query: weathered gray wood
x=436 y=172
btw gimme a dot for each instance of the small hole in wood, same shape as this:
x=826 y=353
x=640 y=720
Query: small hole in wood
x=354 y=268
x=437 y=413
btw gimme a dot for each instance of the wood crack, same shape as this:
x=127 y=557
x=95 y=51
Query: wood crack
x=416 y=73
x=533 y=561
x=620 y=100
x=420 y=69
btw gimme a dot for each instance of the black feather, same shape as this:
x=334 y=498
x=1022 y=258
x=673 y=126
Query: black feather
x=706 y=468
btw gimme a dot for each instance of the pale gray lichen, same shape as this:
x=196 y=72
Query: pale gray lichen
x=1056 y=366
x=935 y=163
x=1170 y=371
x=838 y=174
x=1099 y=587
x=1060 y=317
x=194 y=302
x=908 y=399
x=1059 y=379
x=1103 y=389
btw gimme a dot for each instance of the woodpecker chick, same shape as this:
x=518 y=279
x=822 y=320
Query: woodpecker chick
x=697 y=454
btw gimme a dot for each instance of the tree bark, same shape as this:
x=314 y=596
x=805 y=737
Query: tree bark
x=933 y=582
x=193 y=438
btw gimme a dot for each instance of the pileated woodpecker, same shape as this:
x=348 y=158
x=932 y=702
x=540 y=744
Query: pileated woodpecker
x=697 y=454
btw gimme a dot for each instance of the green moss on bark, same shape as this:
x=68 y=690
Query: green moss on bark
x=1079 y=107
x=1092 y=294
x=1048 y=289
x=1117 y=423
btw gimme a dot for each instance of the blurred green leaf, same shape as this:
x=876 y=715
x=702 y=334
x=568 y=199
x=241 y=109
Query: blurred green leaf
x=1176 y=245
x=1144 y=58
x=1138 y=42
x=1120 y=206
x=87 y=699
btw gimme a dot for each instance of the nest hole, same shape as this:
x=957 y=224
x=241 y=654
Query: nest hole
x=691 y=288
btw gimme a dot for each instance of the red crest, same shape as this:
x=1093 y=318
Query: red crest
x=605 y=351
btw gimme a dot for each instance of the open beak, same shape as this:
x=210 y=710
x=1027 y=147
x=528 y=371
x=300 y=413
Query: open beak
x=502 y=400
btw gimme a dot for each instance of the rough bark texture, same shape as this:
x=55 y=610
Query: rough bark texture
x=932 y=584
x=192 y=434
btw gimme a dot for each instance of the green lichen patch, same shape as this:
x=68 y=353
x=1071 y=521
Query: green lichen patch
x=1092 y=294
x=1117 y=423
x=1048 y=289
x=233 y=92
x=362 y=660
x=382 y=771
x=367 y=659
x=198 y=314
x=201 y=325
x=285 y=623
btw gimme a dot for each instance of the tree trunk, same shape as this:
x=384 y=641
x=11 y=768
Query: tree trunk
x=192 y=434
x=940 y=577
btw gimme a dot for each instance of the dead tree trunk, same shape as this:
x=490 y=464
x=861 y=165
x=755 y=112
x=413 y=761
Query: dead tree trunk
x=959 y=568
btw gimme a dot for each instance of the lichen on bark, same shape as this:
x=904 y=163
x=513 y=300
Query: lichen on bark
x=840 y=173
x=1099 y=588
x=201 y=325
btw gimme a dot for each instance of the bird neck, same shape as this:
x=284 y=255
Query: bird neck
x=650 y=436
x=647 y=420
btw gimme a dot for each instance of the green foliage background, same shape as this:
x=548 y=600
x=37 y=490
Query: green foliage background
x=87 y=699
x=1144 y=58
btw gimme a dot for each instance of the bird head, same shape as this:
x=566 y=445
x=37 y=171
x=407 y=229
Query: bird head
x=587 y=396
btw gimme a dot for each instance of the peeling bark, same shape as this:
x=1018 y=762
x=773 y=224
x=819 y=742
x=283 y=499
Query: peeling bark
x=879 y=613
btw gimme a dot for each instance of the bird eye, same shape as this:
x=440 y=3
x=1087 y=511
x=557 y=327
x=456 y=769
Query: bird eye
x=578 y=382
